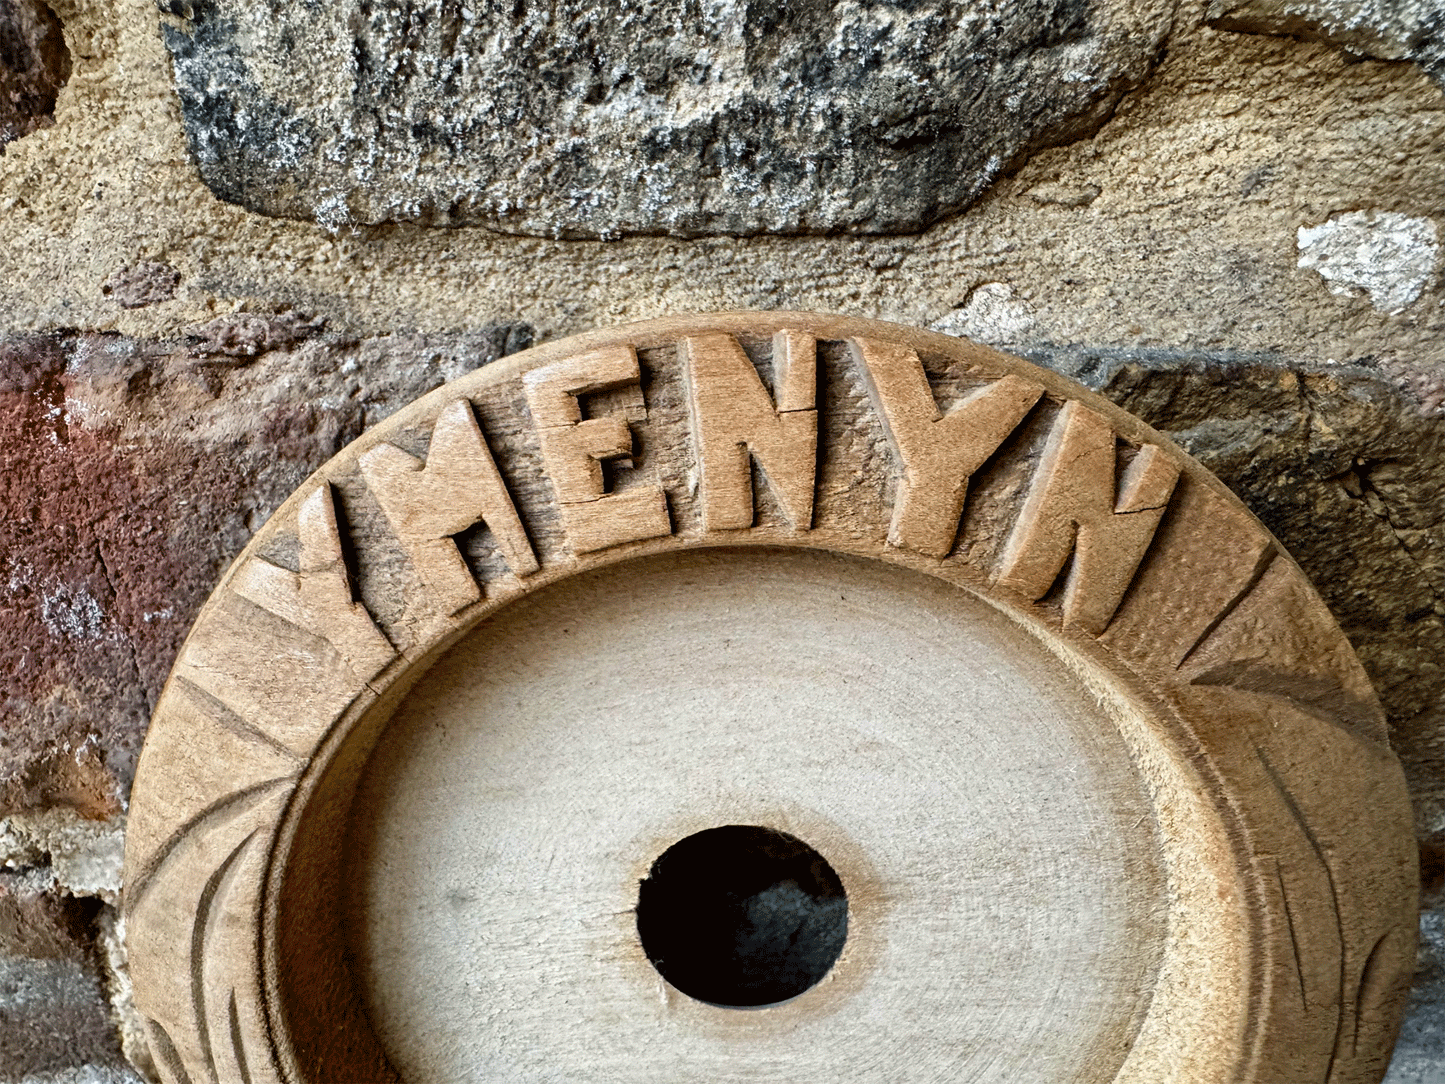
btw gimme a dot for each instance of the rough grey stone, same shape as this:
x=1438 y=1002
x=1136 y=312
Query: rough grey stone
x=684 y=117
x=53 y=1010
x=86 y=1074
x=1382 y=29
x=34 y=65
x=1420 y=1053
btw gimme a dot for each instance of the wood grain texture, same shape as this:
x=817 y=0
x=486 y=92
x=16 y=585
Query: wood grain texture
x=1275 y=812
x=995 y=839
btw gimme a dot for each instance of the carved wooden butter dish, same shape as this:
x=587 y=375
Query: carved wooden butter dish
x=514 y=738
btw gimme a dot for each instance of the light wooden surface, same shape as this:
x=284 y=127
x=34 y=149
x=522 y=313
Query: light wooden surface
x=1007 y=897
x=1110 y=795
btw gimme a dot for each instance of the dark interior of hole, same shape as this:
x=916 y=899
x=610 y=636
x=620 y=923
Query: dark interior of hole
x=742 y=916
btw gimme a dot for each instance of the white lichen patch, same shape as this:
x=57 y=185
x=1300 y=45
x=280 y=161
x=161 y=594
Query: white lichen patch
x=1388 y=256
x=128 y=1020
x=83 y=857
x=85 y=1074
x=72 y=613
x=992 y=314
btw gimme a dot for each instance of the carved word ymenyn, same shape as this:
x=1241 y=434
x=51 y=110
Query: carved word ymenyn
x=1294 y=934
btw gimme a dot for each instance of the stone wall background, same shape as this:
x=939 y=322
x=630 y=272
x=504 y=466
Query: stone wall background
x=1240 y=240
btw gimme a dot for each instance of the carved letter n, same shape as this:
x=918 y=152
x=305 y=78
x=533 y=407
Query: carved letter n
x=1071 y=507
x=734 y=422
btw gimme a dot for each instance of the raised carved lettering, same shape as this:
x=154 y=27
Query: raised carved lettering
x=1072 y=508
x=1252 y=726
x=457 y=487
x=939 y=451
x=735 y=422
x=573 y=450
x=318 y=597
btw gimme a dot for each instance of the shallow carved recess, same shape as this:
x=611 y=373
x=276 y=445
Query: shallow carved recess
x=682 y=117
x=747 y=465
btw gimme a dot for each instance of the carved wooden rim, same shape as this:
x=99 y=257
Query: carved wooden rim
x=1283 y=814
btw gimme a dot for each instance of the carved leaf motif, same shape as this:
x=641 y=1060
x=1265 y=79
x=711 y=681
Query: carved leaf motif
x=191 y=927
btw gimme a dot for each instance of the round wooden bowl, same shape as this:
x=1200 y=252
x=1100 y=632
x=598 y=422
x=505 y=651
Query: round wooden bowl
x=767 y=696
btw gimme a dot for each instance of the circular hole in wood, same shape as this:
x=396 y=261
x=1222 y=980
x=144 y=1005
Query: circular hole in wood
x=742 y=916
x=974 y=797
